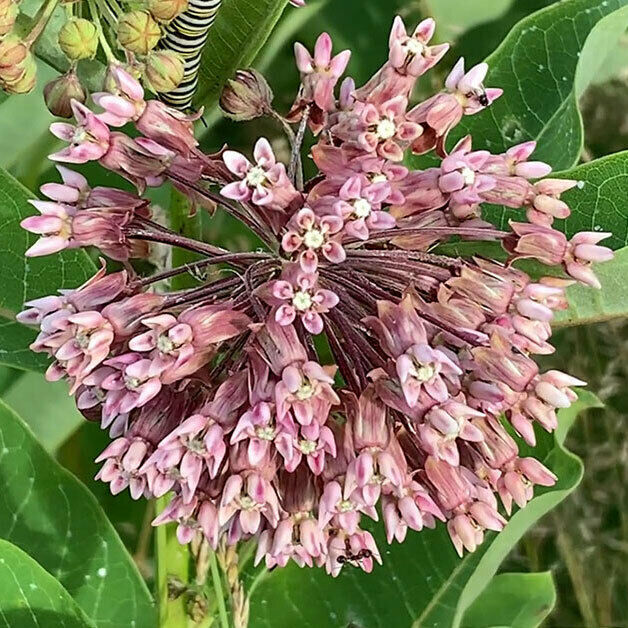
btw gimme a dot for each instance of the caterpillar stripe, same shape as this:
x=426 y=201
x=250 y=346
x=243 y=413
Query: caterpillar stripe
x=186 y=35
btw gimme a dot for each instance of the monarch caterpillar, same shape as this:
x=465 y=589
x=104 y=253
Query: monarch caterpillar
x=186 y=35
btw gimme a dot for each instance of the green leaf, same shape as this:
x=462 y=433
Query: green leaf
x=47 y=408
x=47 y=512
x=516 y=600
x=422 y=582
x=31 y=597
x=240 y=30
x=454 y=17
x=24 y=279
x=544 y=65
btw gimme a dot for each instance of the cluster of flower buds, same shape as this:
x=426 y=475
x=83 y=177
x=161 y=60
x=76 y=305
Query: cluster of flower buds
x=216 y=394
x=17 y=64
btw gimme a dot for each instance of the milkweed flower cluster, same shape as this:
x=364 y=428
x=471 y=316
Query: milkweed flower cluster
x=219 y=394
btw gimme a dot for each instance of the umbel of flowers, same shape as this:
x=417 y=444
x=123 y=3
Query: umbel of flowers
x=218 y=396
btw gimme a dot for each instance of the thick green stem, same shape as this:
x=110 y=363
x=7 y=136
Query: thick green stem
x=173 y=573
x=41 y=20
x=93 y=9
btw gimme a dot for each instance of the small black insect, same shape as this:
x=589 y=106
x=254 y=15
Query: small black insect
x=483 y=99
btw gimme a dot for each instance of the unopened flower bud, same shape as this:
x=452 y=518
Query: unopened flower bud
x=25 y=82
x=78 y=38
x=166 y=10
x=59 y=92
x=138 y=32
x=110 y=83
x=13 y=57
x=164 y=70
x=8 y=14
x=247 y=96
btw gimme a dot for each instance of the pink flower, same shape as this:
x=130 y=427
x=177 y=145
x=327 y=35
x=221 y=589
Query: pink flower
x=89 y=139
x=308 y=234
x=311 y=441
x=298 y=294
x=360 y=207
x=305 y=391
x=72 y=191
x=126 y=100
x=583 y=250
x=465 y=95
x=376 y=466
x=469 y=89
x=179 y=346
x=54 y=225
x=382 y=129
x=133 y=383
x=197 y=516
x=123 y=458
x=460 y=178
x=320 y=73
x=195 y=445
x=411 y=54
x=246 y=498
x=265 y=184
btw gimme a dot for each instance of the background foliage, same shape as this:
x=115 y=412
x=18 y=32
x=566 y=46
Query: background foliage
x=61 y=558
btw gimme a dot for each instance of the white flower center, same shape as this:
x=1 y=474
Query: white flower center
x=255 y=176
x=468 y=175
x=132 y=382
x=265 y=432
x=302 y=301
x=314 y=239
x=361 y=208
x=165 y=344
x=82 y=339
x=423 y=372
x=346 y=505
x=307 y=446
x=80 y=135
x=379 y=178
x=413 y=46
x=247 y=503
x=386 y=129
x=196 y=445
x=305 y=391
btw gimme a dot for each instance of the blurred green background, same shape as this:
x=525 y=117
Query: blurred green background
x=585 y=541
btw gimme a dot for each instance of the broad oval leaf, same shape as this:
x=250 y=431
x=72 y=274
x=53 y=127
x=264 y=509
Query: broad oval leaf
x=31 y=597
x=544 y=65
x=47 y=512
x=422 y=582
x=240 y=30
x=28 y=278
x=516 y=600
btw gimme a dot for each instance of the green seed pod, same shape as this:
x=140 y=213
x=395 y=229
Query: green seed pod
x=163 y=70
x=60 y=91
x=246 y=97
x=138 y=32
x=8 y=14
x=166 y=10
x=78 y=38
